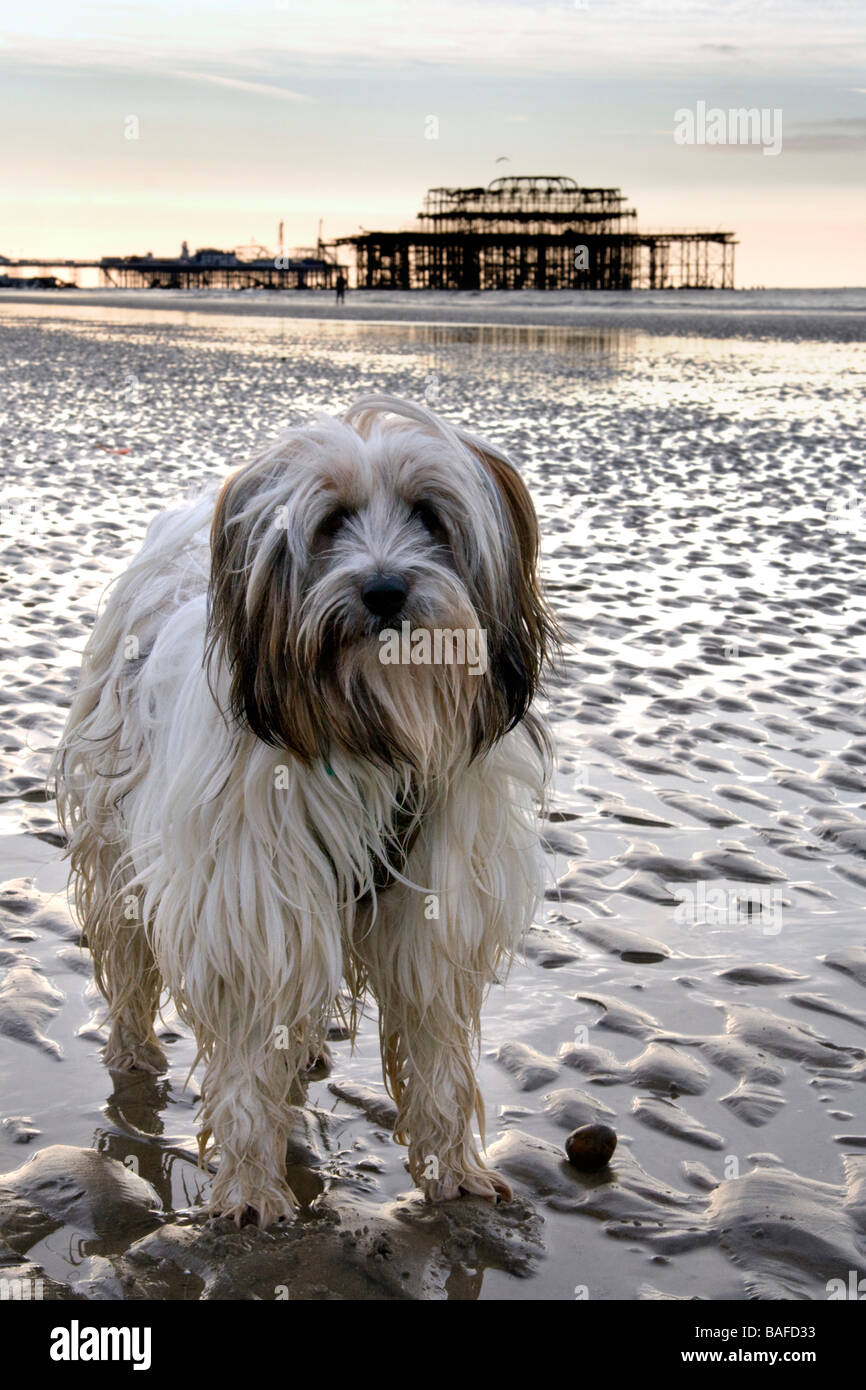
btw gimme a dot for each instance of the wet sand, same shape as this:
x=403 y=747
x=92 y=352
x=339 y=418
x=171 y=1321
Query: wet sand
x=836 y=315
x=697 y=977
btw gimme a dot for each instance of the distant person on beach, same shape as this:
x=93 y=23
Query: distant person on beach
x=341 y=288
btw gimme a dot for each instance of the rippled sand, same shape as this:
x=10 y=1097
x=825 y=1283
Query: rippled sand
x=697 y=980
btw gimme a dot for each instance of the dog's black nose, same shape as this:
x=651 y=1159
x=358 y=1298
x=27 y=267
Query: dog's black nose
x=384 y=594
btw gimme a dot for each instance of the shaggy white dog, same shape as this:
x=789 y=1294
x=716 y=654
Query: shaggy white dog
x=260 y=806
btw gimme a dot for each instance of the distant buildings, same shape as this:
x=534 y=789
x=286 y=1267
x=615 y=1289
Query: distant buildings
x=210 y=268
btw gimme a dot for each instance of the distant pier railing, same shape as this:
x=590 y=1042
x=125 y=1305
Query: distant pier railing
x=205 y=269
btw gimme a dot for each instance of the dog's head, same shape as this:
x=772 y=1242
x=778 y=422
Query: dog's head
x=339 y=554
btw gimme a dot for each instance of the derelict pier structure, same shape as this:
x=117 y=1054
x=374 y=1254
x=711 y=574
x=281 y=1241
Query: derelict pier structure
x=538 y=233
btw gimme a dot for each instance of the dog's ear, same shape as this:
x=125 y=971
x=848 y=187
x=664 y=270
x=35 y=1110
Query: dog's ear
x=249 y=619
x=523 y=633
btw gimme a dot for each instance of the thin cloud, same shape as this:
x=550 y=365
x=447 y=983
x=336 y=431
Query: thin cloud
x=493 y=36
x=838 y=135
x=257 y=88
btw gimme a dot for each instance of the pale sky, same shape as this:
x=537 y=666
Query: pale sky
x=265 y=110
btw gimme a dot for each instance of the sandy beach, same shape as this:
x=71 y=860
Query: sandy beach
x=697 y=977
x=837 y=315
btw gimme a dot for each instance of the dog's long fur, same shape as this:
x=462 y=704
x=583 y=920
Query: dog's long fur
x=259 y=810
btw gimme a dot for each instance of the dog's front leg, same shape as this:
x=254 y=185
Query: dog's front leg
x=432 y=1064
x=429 y=1001
x=253 y=961
x=247 y=1111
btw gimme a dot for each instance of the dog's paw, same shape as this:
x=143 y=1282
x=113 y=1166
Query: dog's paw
x=120 y=1054
x=479 y=1183
x=487 y=1184
x=231 y=1203
x=245 y=1215
x=319 y=1059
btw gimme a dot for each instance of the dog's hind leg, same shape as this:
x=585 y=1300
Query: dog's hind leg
x=123 y=964
x=99 y=763
x=132 y=986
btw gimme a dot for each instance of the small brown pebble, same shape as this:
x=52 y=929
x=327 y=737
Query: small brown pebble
x=590 y=1147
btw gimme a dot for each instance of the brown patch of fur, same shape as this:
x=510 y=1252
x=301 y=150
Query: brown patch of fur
x=524 y=633
x=266 y=684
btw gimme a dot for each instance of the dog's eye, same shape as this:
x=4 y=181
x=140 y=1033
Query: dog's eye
x=332 y=523
x=423 y=512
